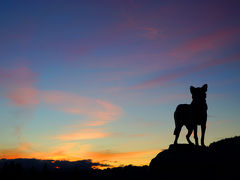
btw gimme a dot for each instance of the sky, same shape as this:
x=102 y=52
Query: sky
x=101 y=79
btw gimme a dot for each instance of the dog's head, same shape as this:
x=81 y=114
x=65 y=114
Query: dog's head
x=199 y=93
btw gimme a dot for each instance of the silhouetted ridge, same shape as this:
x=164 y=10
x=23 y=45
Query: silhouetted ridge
x=218 y=161
x=231 y=144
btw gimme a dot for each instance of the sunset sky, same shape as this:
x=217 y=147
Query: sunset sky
x=101 y=79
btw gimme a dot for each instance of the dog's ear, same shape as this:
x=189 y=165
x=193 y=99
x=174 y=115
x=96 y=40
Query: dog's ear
x=192 y=89
x=204 y=87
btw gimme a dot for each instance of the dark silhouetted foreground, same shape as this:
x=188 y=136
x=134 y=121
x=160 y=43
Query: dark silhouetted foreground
x=220 y=160
x=182 y=161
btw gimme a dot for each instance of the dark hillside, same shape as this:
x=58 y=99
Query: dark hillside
x=220 y=160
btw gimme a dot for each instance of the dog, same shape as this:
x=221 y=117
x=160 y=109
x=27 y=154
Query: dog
x=192 y=115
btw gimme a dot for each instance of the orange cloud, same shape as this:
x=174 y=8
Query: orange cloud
x=116 y=156
x=120 y=158
x=73 y=151
x=82 y=135
x=18 y=152
x=64 y=151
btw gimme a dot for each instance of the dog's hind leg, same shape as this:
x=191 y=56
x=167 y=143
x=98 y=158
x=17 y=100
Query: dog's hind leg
x=177 y=132
x=189 y=134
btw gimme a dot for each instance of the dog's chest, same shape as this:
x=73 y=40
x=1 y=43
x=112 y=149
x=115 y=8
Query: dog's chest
x=198 y=112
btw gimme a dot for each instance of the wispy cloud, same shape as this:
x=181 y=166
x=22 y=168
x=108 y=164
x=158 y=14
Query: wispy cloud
x=205 y=43
x=98 y=112
x=66 y=150
x=19 y=89
x=117 y=158
x=83 y=135
x=16 y=152
x=170 y=77
x=140 y=64
x=23 y=96
x=119 y=155
x=18 y=85
x=62 y=151
x=160 y=80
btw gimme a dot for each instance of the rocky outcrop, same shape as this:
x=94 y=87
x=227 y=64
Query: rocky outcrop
x=183 y=161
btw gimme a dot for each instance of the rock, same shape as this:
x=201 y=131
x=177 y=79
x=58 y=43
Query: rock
x=184 y=161
x=178 y=159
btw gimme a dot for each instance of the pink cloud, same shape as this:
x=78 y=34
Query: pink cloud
x=17 y=84
x=23 y=96
x=205 y=43
x=160 y=80
x=108 y=113
x=167 y=78
x=216 y=62
x=20 y=76
x=98 y=112
x=137 y=65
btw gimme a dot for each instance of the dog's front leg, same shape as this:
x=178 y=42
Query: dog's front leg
x=203 y=128
x=195 y=135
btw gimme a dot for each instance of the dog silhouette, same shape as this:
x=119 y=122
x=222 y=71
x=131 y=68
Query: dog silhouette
x=192 y=115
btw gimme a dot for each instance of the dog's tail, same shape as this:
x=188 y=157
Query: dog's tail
x=175 y=130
